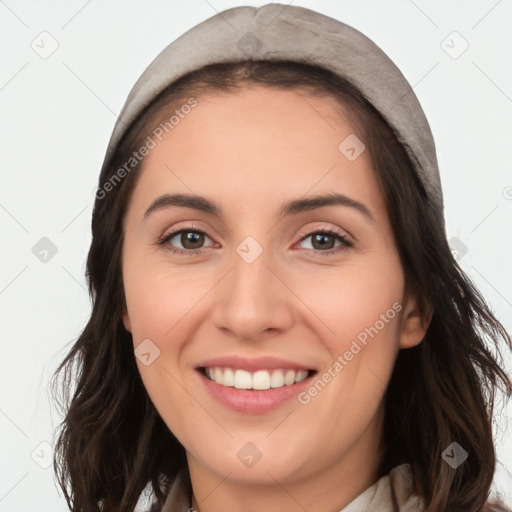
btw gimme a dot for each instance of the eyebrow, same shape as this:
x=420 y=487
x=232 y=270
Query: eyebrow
x=292 y=207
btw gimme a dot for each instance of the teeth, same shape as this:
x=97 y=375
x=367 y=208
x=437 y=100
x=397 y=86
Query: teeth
x=260 y=380
x=228 y=378
x=243 y=379
x=289 y=377
x=277 y=379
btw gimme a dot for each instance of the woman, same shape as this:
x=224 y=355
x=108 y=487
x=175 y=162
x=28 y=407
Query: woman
x=278 y=320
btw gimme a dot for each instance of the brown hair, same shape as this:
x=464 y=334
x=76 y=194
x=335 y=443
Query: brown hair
x=113 y=443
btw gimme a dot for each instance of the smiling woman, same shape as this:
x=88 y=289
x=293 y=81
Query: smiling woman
x=278 y=320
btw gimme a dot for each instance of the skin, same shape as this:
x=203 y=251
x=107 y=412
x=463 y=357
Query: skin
x=249 y=152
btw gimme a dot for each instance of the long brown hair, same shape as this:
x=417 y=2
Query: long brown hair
x=112 y=442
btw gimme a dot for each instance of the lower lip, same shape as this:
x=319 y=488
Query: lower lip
x=253 y=401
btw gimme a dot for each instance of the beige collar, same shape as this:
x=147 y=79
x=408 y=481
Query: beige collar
x=391 y=493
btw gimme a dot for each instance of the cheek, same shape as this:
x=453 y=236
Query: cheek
x=362 y=309
x=351 y=302
x=161 y=308
x=159 y=299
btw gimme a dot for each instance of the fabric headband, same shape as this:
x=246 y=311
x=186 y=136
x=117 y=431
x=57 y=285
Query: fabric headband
x=276 y=32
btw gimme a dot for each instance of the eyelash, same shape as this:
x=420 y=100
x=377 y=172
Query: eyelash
x=346 y=244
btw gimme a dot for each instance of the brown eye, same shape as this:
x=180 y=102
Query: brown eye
x=324 y=241
x=191 y=240
x=321 y=241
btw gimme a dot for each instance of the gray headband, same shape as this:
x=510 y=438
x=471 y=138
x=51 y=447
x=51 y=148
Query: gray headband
x=275 y=32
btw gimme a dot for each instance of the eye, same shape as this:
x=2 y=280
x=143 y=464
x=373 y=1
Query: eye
x=190 y=238
x=322 y=244
x=192 y=241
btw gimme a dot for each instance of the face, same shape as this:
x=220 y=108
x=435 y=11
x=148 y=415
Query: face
x=258 y=285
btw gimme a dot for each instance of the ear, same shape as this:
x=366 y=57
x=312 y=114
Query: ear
x=414 y=326
x=126 y=320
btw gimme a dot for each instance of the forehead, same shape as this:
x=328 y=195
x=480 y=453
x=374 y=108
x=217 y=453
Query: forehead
x=261 y=142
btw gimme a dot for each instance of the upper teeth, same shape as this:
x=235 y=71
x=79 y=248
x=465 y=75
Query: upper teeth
x=262 y=379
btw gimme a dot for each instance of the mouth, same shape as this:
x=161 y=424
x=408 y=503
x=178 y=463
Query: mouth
x=253 y=385
x=259 y=380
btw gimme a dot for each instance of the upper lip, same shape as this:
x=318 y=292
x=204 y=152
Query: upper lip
x=252 y=364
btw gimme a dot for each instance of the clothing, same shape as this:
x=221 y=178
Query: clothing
x=277 y=32
x=391 y=493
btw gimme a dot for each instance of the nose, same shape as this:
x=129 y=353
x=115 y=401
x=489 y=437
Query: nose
x=253 y=300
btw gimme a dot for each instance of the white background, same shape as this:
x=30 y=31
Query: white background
x=57 y=115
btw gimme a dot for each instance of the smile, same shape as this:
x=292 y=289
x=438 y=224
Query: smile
x=258 y=380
